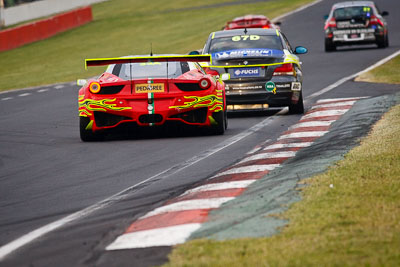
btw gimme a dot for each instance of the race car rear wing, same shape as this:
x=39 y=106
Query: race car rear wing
x=122 y=60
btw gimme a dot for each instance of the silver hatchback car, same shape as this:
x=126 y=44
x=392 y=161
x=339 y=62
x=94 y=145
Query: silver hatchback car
x=355 y=22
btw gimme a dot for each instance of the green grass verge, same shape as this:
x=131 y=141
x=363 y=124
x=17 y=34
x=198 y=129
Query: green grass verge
x=125 y=27
x=387 y=73
x=353 y=223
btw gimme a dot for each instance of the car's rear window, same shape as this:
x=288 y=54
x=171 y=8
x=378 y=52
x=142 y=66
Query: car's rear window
x=151 y=70
x=353 y=12
x=245 y=42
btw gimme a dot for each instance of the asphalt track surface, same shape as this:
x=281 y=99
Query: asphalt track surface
x=47 y=173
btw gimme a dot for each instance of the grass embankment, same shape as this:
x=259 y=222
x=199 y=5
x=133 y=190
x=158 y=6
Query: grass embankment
x=356 y=222
x=387 y=73
x=125 y=27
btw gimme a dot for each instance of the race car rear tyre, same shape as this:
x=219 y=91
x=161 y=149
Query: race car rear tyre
x=329 y=46
x=380 y=43
x=383 y=42
x=226 y=119
x=297 y=108
x=221 y=123
x=87 y=135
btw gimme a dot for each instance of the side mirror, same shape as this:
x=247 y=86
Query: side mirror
x=81 y=82
x=225 y=77
x=195 y=52
x=385 y=13
x=300 y=50
x=326 y=17
x=278 y=23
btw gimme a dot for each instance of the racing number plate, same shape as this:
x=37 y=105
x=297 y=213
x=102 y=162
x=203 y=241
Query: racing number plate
x=354 y=36
x=246 y=72
x=149 y=88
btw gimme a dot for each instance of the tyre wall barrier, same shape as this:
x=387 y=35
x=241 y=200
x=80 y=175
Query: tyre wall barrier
x=39 y=30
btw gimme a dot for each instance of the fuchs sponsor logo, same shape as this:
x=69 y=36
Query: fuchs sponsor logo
x=247 y=72
x=242 y=53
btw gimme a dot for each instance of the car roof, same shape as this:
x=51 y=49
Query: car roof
x=258 y=31
x=353 y=3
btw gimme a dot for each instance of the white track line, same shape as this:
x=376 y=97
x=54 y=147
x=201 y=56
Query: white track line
x=331 y=105
x=289 y=145
x=311 y=124
x=166 y=236
x=192 y=204
x=24 y=94
x=258 y=147
x=254 y=150
x=339 y=100
x=220 y=186
x=39 y=232
x=303 y=134
x=247 y=169
x=6 y=98
x=352 y=76
x=296 y=10
x=169 y=236
x=269 y=155
x=325 y=113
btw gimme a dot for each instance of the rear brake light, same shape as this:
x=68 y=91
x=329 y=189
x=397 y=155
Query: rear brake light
x=375 y=21
x=94 y=87
x=330 y=24
x=204 y=83
x=266 y=27
x=285 y=69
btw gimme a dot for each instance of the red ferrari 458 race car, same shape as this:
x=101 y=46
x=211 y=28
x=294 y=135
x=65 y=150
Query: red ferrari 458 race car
x=251 y=21
x=151 y=91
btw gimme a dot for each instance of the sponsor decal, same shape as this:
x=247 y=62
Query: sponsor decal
x=86 y=106
x=247 y=87
x=247 y=72
x=149 y=88
x=349 y=24
x=270 y=87
x=213 y=102
x=239 y=38
x=150 y=63
x=353 y=31
x=250 y=52
x=286 y=85
x=296 y=86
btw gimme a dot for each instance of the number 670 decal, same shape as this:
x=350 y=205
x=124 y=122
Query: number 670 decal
x=238 y=38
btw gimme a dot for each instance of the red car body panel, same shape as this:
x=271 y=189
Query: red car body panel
x=250 y=21
x=150 y=102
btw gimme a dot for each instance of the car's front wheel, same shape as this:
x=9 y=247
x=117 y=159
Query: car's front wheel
x=86 y=133
x=297 y=108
